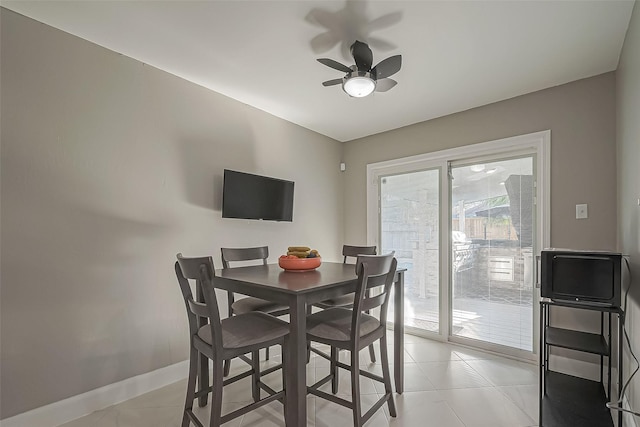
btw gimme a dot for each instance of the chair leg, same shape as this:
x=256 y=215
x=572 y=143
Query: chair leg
x=216 y=394
x=355 y=388
x=191 y=386
x=227 y=367
x=255 y=377
x=334 y=370
x=386 y=374
x=284 y=348
x=372 y=354
x=266 y=353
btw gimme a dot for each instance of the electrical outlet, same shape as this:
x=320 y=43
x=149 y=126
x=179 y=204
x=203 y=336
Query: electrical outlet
x=581 y=212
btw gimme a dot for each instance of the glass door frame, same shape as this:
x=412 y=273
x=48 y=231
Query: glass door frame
x=538 y=143
x=378 y=175
x=486 y=345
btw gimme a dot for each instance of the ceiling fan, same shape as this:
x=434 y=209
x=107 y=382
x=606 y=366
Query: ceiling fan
x=363 y=78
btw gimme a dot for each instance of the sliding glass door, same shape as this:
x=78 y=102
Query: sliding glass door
x=492 y=235
x=410 y=226
x=466 y=223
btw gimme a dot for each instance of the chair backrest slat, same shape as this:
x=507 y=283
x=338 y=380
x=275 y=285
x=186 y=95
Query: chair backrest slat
x=349 y=251
x=198 y=308
x=374 y=271
x=201 y=270
x=244 y=254
x=260 y=253
x=191 y=266
x=372 y=302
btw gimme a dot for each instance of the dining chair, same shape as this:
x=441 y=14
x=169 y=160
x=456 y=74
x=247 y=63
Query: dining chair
x=353 y=330
x=249 y=304
x=346 y=301
x=222 y=340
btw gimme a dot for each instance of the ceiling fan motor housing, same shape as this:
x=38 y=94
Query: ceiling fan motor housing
x=358 y=84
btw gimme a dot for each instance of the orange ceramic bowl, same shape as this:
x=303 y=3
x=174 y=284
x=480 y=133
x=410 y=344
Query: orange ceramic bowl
x=299 y=264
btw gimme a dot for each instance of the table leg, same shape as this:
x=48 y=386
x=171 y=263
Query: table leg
x=296 y=364
x=398 y=333
x=203 y=361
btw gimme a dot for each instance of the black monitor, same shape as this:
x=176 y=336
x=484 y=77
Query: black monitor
x=581 y=276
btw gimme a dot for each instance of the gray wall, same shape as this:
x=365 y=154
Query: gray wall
x=628 y=134
x=109 y=168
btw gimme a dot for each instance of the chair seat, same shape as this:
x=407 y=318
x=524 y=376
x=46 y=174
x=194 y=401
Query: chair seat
x=251 y=304
x=341 y=301
x=247 y=330
x=334 y=324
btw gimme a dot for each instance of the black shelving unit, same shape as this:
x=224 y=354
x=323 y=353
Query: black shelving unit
x=566 y=400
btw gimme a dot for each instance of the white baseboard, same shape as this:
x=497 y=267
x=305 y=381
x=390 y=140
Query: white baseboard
x=66 y=410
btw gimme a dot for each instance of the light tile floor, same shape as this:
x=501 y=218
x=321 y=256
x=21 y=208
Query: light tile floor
x=445 y=386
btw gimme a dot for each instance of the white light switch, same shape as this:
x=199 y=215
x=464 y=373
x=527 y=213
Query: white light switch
x=581 y=212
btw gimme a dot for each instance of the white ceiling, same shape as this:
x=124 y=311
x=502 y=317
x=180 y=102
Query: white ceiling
x=456 y=54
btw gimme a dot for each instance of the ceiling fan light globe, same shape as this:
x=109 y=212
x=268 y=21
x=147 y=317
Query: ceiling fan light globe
x=359 y=86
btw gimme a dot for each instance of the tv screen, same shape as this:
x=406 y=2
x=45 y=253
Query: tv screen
x=250 y=196
x=582 y=276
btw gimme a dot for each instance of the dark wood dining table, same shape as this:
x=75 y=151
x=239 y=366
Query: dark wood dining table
x=300 y=290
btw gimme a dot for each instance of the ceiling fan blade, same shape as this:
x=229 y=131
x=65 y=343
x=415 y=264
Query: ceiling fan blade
x=362 y=55
x=332 y=82
x=384 y=85
x=335 y=65
x=387 y=67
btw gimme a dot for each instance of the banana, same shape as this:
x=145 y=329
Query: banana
x=302 y=252
x=298 y=249
x=298 y=254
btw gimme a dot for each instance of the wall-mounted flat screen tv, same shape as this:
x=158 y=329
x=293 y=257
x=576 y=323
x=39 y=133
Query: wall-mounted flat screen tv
x=249 y=196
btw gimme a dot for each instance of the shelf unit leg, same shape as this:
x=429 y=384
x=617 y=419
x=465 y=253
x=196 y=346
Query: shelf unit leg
x=620 y=345
x=541 y=354
x=609 y=358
